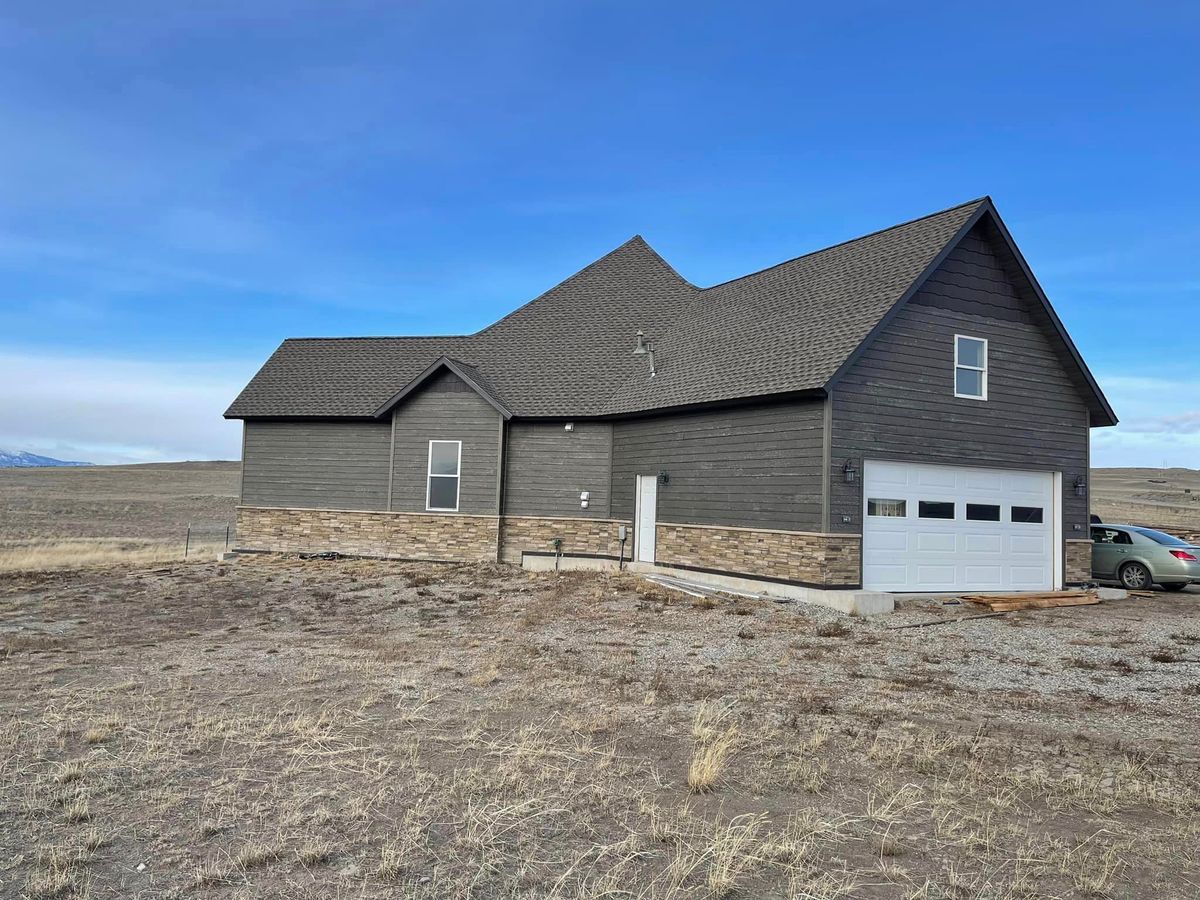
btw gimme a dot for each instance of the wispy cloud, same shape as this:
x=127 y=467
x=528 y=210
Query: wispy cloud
x=118 y=411
x=1160 y=421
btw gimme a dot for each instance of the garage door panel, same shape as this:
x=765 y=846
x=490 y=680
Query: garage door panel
x=1027 y=545
x=887 y=541
x=1030 y=577
x=984 y=577
x=886 y=574
x=908 y=553
x=931 y=478
x=935 y=577
x=983 y=482
x=936 y=542
x=983 y=543
x=1032 y=483
x=894 y=474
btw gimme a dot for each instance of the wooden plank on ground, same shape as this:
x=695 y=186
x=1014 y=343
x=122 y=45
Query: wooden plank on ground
x=1014 y=605
x=1032 y=595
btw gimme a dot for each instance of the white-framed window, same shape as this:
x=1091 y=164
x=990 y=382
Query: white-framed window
x=888 y=509
x=970 y=367
x=445 y=459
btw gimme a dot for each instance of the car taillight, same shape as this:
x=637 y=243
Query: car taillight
x=1183 y=554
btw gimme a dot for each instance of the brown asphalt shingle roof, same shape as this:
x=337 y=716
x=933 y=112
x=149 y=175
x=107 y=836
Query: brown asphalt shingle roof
x=568 y=352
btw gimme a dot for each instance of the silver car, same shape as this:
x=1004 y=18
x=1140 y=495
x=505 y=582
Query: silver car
x=1138 y=557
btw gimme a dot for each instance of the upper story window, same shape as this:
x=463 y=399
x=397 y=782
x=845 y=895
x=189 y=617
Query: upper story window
x=970 y=367
x=445 y=459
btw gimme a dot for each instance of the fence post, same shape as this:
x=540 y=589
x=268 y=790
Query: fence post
x=226 y=538
x=187 y=544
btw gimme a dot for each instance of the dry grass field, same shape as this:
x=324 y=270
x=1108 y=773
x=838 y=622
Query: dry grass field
x=54 y=518
x=1168 y=498
x=356 y=729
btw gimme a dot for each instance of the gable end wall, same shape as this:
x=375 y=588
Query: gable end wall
x=446 y=409
x=897 y=401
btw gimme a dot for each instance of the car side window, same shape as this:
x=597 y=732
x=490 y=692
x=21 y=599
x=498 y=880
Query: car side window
x=1110 y=536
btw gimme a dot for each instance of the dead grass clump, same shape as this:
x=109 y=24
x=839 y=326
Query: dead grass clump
x=69 y=771
x=715 y=741
x=832 y=629
x=704 y=603
x=314 y=853
x=485 y=676
x=77 y=811
x=1165 y=655
x=734 y=851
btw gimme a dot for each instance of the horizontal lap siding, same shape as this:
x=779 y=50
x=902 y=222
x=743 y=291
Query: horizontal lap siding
x=317 y=465
x=755 y=466
x=546 y=468
x=897 y=402
x=447 y=409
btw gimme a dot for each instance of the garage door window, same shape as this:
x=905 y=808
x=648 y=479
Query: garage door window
x=935 y=509
x=891 y=509
x=1031 y=515
x=983 y=512
x=970 y=367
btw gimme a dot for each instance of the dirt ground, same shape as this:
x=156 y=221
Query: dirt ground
x=353 y=729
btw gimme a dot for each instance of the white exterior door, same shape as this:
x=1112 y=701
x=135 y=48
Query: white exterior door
x=647 y=513
x=956 y=528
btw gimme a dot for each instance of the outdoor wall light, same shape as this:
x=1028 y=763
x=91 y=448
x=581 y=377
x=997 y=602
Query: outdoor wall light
x=1080 y=486
x=664 y=478
x=849 y=471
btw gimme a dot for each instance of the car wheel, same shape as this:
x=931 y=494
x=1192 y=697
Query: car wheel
x=1135 y=576
x=1175 y=587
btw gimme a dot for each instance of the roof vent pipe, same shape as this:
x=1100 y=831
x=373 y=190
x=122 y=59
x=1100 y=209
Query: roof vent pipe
x=645 y=348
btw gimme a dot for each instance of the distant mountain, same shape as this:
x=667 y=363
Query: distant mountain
x=23 y=459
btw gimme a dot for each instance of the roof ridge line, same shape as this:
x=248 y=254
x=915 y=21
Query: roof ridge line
x=636 y=238
x=986 y=198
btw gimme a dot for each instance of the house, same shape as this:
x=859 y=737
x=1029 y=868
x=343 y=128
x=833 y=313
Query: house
x=900 y=412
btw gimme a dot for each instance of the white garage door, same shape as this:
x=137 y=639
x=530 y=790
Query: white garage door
x=950 y=528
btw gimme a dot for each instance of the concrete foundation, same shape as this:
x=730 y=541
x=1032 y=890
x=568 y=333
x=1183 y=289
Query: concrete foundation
x=851 y=602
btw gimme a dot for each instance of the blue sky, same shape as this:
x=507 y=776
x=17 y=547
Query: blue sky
x=183 y=185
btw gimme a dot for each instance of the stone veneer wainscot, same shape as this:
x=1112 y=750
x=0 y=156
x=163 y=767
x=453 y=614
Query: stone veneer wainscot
x=357 y=533
x=582 y=537
x=822 y=560
x=1079 y=561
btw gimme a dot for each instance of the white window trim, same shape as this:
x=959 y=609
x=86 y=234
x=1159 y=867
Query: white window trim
x=429 y=476
x=983 y=370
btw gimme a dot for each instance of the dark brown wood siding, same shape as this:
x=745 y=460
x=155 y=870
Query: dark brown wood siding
x=446 y=409
x=756 y=466
x=897 y=401
x=316 y=465
x=546 y=468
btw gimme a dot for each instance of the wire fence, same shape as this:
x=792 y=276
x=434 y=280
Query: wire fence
x=206 y=535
